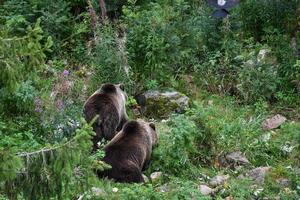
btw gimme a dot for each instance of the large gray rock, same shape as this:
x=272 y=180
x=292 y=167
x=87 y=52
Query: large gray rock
x=218 y=180
x=162 y=104
x=258 y=174
x=273 y=122
x=237 y=158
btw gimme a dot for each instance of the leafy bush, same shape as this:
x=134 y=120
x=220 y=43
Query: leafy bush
x=256 y=16
x=180 y=147
x=164 y=39
x=56 y=17
x=109 y=63
x=282 y=47
x=257 y=82
x=20 y=102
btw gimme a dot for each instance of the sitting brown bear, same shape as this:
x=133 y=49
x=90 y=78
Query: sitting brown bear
x=129 y=151
x=109 y=103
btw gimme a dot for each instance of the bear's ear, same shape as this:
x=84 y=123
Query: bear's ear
x=152 y=125
x=122 y=86
x=107 y=88
x=130 y=127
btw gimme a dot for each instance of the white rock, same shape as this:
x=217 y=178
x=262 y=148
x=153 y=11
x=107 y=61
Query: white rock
x=155 y=176
x=164 y=188
x=263 y=54
x=287 y=148
x=115 y=190
x=258 y=191
x=266 y=137
x=97 y=191
x=210 y=102
x=205 y=190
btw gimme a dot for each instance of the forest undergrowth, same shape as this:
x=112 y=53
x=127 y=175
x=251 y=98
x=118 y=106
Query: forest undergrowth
x=237 y=72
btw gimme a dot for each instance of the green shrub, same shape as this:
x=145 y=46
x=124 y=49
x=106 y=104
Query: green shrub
x=257 y=82
x=259 y=15
x=164 y=39
x=180 y=147
x=284 y=52
x=109 y=63
x=56 y=17
x=20 y=102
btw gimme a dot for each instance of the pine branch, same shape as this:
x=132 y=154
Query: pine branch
x=14 y=39
x=44 y=150
x=25 y=154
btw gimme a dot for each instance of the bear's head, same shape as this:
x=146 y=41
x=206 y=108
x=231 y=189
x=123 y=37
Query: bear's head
x=140 y=126
x=117 y=90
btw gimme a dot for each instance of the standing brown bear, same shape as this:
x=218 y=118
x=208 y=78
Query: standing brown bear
x=129 y=151
x=109 y=103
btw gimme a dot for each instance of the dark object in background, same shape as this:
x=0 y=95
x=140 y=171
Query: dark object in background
x=222 y=13
x=222 y=6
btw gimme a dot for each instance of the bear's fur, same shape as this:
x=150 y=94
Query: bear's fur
x=129 y=151
x=109 y=103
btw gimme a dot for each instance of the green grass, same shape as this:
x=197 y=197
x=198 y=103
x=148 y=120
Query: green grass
x=191 y=144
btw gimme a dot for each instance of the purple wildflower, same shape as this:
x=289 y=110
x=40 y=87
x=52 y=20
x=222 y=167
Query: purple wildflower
x=66 y=73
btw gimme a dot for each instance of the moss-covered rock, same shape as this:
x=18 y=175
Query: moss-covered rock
x=161 y=104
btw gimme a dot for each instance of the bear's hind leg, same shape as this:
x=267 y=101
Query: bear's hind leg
x=132 y=175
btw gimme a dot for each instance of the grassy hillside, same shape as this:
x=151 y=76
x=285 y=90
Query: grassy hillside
x=192 y=146
x=238 y=71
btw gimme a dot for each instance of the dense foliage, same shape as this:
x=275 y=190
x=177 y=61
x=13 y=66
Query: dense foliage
x=54 y=54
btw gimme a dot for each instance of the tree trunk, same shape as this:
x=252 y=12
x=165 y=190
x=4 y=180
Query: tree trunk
x=103 y=10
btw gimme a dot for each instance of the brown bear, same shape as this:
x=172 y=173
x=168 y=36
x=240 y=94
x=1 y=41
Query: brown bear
x=129 y=151
x=109 y=103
